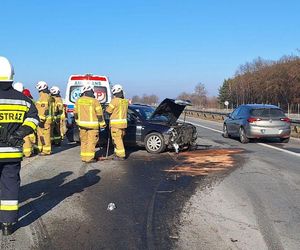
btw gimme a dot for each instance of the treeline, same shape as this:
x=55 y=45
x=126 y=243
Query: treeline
x=198 y=98
x=263 y=81
x=145 y=99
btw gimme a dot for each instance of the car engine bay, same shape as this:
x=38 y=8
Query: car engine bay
x=181 y=135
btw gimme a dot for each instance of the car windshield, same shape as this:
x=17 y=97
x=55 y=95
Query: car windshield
x=144 y=111
x=267 y=112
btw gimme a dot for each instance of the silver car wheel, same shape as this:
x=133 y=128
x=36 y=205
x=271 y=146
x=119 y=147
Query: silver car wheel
x=243 y=137
x=225 y=131
x=154 y=143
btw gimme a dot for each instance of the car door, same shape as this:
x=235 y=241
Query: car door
x=240 y=119
x=230 y=122
x=132 y=135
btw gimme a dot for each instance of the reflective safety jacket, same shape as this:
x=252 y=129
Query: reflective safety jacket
x=88 y=113
x=17 y=112
x=118 y=108
x=58 y=108
x=45 y=106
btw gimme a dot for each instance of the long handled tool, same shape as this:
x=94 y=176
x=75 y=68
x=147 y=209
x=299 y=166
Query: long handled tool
x=107 y=147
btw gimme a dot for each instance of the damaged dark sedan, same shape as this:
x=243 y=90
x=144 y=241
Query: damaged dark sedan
x=158 y=129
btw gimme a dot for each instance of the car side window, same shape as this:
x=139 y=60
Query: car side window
x=132 y=117
x=243 y=112
x=234 y=113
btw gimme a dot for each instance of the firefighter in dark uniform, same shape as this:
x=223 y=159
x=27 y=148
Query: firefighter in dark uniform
x=18 y=118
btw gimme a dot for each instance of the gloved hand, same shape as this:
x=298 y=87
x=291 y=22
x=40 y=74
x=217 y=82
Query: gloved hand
x=15 y=140
x=42 y=124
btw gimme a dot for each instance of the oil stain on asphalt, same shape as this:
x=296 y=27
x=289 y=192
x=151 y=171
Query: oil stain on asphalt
x=190 y=170
x=204 y=162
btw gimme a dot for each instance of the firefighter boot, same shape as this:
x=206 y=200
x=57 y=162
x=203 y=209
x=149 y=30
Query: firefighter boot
x=117 y=158
x=7 y=229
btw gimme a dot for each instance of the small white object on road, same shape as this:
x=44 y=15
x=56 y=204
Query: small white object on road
x=111 y=206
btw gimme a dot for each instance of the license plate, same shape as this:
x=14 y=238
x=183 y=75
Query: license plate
x=270 y=131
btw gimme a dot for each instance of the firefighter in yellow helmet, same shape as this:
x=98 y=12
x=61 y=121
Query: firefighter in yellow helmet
x=89 y=117
x=44 y=106
x=18 y=118
x=59 y=116
x=118 y=108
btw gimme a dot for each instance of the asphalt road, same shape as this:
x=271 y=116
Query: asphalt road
x=256 y=206
x=64 y=202
x=240 y=197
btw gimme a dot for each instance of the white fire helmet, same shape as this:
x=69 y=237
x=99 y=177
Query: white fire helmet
x=41 y=85
x=116 y=89
x=6 y=70
x=54 y=90
x=18 y=86
x=87 y=87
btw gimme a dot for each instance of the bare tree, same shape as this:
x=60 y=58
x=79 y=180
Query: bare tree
x=146 y=99
x=199 y=96
x=135 y=99
x=263 y=81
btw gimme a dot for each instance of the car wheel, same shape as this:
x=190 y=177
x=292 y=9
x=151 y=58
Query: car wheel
x=154 y=143
x=243 y=137
x=285 y=140
x=225 y=131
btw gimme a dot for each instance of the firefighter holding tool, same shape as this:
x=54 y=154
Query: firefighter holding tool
x=118 y=108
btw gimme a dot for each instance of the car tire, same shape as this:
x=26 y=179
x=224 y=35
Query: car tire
x=154 y=143
x=243 y=137
x=70 y=134
x=285 y=140
x=225 y=131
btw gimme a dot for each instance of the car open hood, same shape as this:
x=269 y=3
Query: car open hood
x=171 y=109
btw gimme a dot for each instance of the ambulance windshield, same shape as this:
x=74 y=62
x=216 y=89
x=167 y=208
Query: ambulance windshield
x=100 y=93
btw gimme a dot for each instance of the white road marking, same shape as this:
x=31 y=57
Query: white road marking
x=196 y=124
x=261 y=144
x=279 y=149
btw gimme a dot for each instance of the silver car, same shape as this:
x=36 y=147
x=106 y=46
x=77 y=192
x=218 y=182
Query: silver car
x=254 y=121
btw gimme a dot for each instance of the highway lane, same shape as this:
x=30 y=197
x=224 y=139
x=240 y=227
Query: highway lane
x=255 y=207
x=293 y=147
x=64 y=202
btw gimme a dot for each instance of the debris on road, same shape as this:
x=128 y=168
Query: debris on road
x=111 y=206
x=204 y=162
x=164 y=191
x=233 y=240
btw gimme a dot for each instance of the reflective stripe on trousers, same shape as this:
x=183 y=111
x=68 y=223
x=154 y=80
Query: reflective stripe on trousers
x=44 y=138
x=88 y=140
x=28 y=145
x=9 y=186
x=117 y=135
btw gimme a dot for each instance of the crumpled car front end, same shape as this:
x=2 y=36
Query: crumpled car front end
x=180 y=136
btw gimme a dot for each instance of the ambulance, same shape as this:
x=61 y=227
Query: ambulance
x=75 y=84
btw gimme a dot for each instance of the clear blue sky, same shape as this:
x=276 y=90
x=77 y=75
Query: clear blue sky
x=149 y=46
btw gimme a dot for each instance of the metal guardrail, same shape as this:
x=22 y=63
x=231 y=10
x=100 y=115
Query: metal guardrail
x=222 y=115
